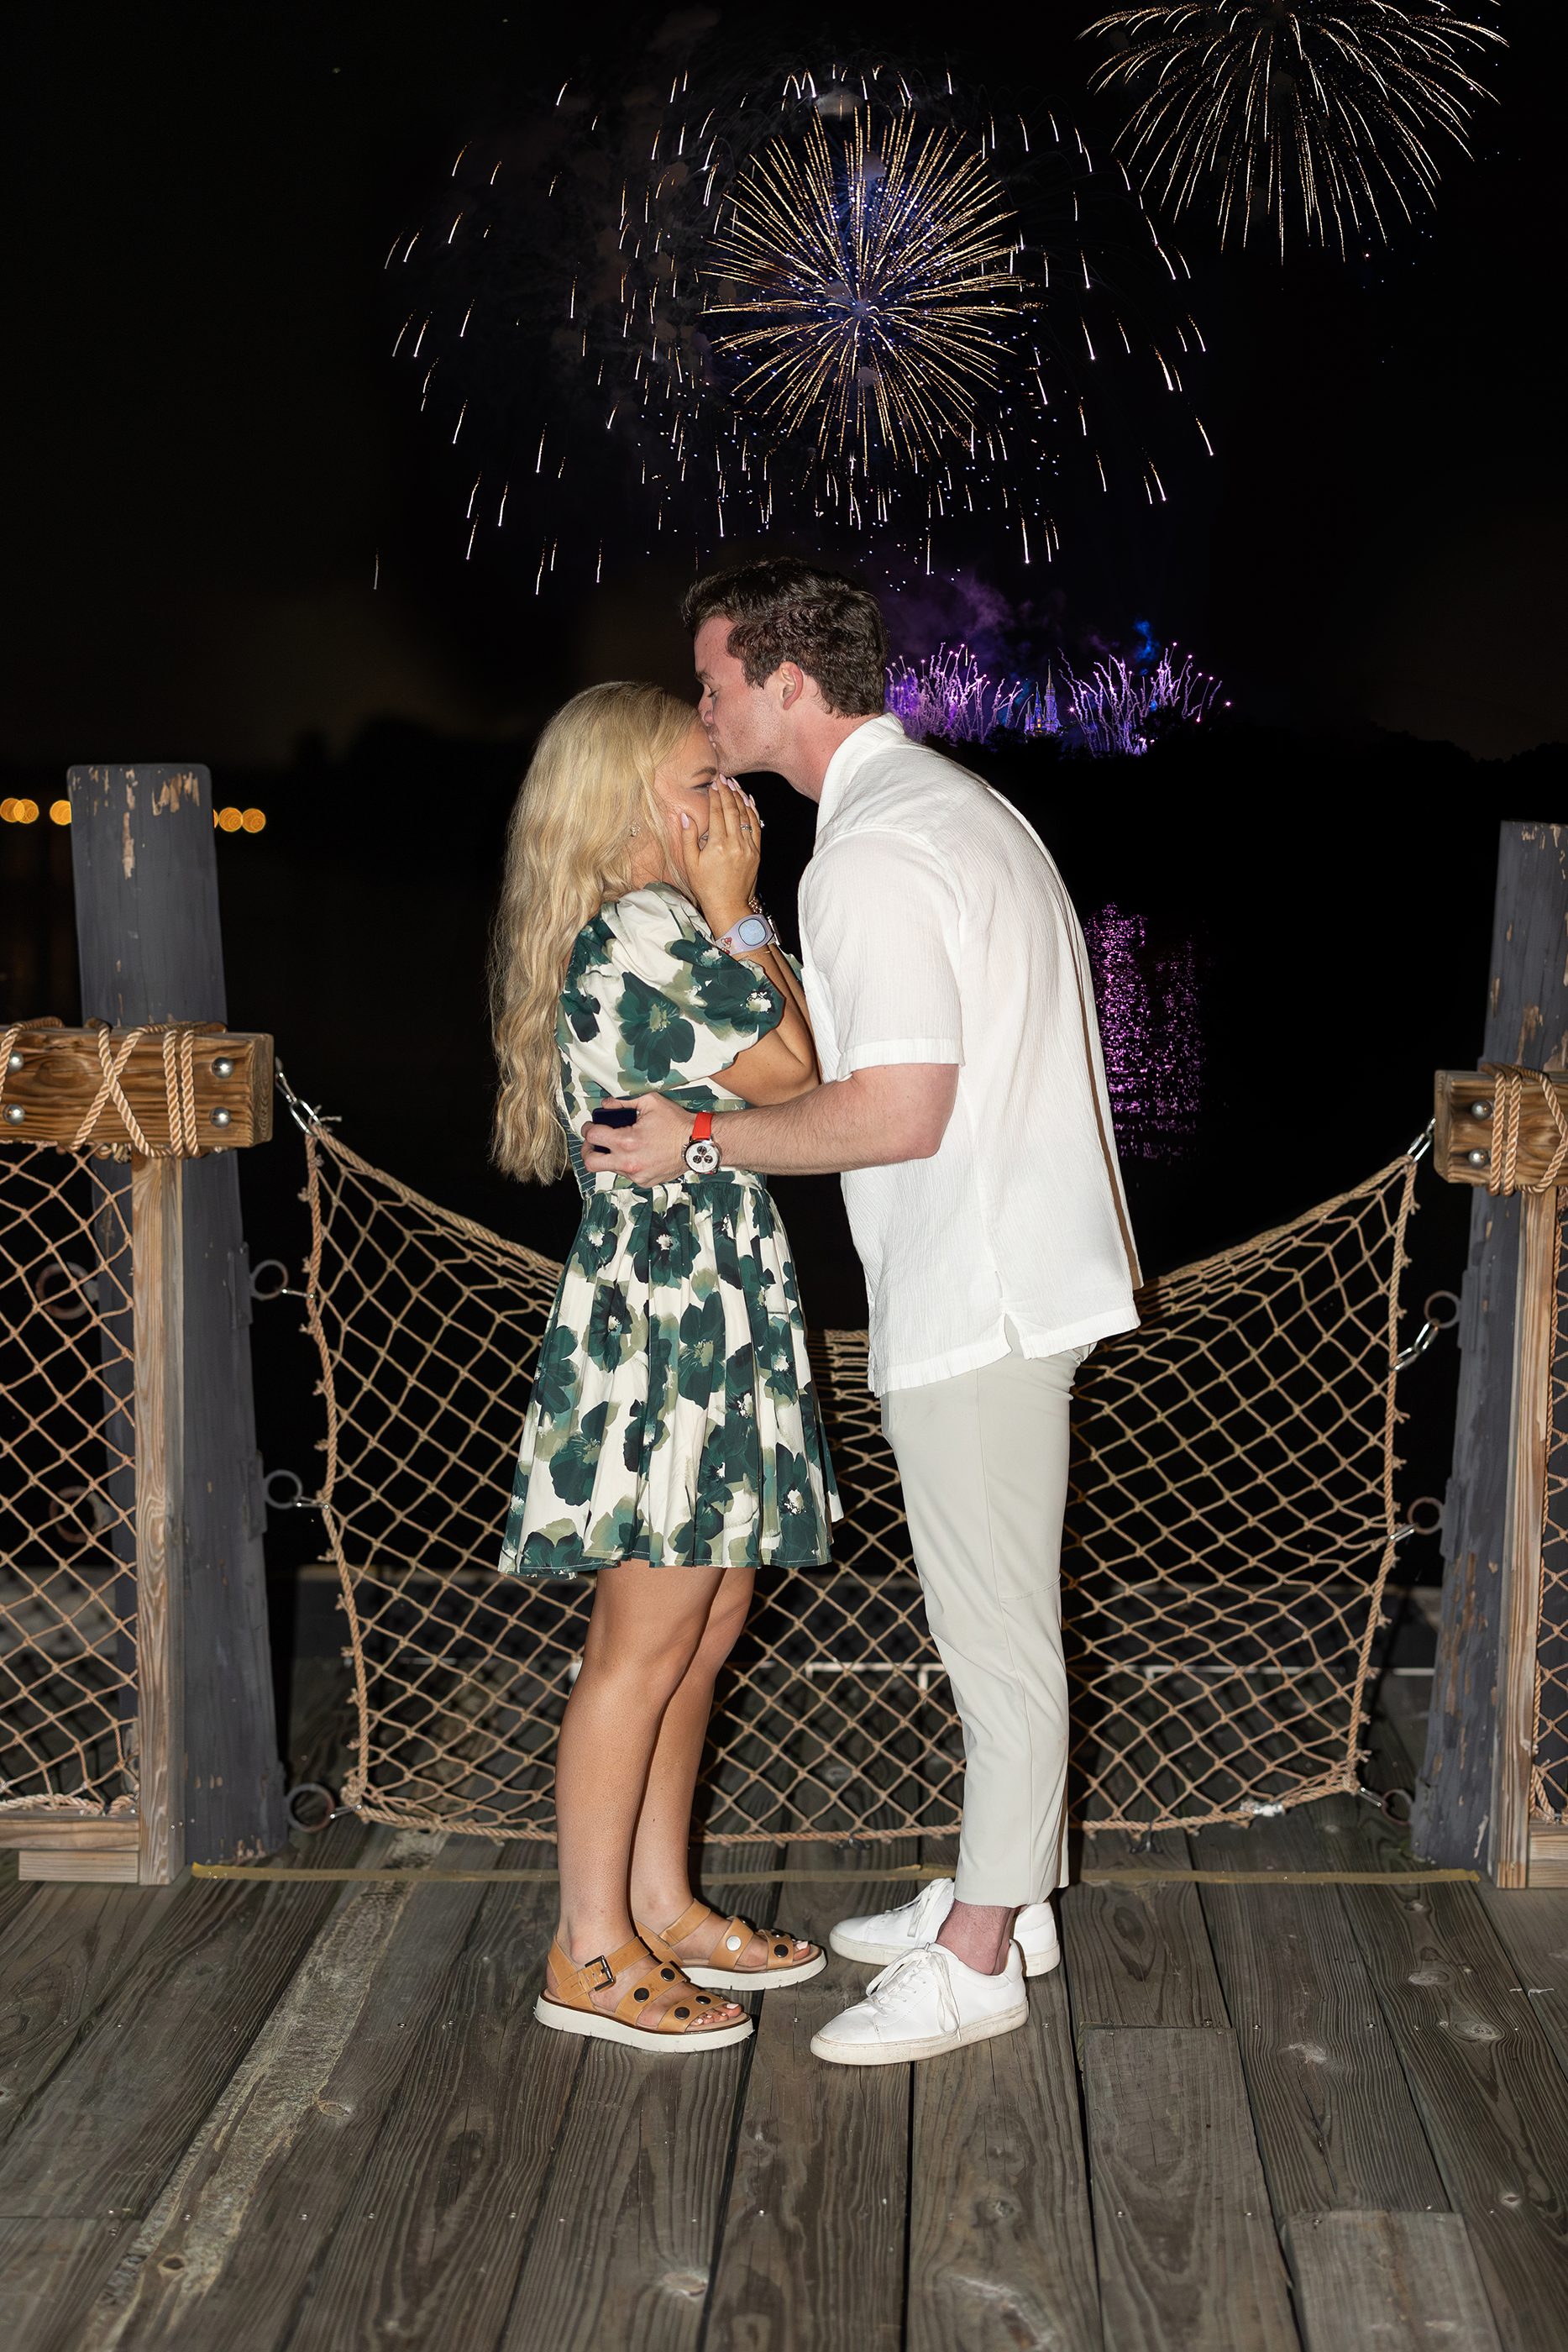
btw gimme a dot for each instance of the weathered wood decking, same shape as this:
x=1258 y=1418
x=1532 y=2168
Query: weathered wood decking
x=306 y=2115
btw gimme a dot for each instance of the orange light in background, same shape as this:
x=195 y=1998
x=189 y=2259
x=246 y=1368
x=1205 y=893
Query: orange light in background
x=17 y=812
x=253 y=820
x=59 y=812
x=8 y=811
x=230 y=820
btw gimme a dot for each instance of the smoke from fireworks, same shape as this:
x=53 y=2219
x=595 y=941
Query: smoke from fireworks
x=728 y=302
x=1321 y=105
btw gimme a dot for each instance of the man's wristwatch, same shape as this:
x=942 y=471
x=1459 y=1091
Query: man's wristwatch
x=753 y=931
x=701 y=1153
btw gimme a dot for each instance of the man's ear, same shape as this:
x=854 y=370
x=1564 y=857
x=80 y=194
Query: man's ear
x=793 y=681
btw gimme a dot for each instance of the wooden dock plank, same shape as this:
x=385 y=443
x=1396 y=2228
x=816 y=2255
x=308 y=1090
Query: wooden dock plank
x=49 y=2267
x=227 y=2258
x=814 y=2246
x=443 y=2205
x=1388 y=2283
x=1001 y=2252
x=1532 y=1924
x=1188 y=2258
x=1335 y=2121
x=621 y=2255
x=1485 y=2086
x=1138 y=1954
x=110 y=2123
x=59 y=1959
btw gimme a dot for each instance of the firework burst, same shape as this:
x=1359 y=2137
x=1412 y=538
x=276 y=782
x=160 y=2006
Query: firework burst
x=1324 y=106
x=852 y=302
x=872 y=289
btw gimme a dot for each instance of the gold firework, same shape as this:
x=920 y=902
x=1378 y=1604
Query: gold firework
x=868 y=278
x=1323 y=102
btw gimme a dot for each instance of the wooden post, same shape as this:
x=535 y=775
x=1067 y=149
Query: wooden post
x=151 y=950
x=1472 y=1794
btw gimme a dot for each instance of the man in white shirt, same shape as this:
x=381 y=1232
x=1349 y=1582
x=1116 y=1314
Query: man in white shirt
x=964 y=1102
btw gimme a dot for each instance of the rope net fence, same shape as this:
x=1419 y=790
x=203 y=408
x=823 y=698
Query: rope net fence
x=1230 y=1528
x=67 y=1500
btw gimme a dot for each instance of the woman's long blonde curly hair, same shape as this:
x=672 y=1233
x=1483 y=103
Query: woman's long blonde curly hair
x=588 y=788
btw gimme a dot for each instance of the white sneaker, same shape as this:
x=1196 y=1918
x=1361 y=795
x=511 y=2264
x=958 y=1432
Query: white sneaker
x=885 y=1936
x=927 y=2002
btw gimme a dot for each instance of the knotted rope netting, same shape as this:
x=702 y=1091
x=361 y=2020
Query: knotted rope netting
x=1230 y=1528
x=68 y=1493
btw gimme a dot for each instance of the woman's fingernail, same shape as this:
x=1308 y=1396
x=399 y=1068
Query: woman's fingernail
x=686 y=821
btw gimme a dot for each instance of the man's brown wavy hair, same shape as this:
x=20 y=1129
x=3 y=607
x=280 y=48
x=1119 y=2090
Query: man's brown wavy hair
x=782 y=608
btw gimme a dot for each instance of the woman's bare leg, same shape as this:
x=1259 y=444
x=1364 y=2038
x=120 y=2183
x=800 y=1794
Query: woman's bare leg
x=647 y=1626
x=661 y=1851
x=661 y=1887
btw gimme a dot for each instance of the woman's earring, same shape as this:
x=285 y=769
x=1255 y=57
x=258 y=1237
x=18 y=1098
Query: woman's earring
x=636 y=828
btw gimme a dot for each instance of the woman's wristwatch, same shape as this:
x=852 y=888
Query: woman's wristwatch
x=701 y=1153
x=753 y=931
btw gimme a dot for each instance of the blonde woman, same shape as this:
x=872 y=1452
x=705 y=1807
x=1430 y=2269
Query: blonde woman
x=671 y=1444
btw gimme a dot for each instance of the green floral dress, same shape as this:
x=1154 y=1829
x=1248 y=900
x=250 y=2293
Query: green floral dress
x=673 y=1417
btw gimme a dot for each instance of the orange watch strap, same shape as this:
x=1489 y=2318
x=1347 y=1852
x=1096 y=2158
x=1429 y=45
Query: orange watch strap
x=701 y=1127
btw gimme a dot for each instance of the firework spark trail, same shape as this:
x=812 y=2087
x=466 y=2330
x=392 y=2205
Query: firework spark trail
x=1322 y=102
x=875 y=274
x=1118 y=710
x=949 y=694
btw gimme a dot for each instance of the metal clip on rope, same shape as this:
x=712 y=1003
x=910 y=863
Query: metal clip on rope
x=1430 y=1329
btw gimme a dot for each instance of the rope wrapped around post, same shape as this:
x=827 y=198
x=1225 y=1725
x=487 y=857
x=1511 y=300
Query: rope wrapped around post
x=8 y=1037
x=1508 y=1103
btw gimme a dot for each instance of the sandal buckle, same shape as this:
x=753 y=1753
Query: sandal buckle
x=606 y=1980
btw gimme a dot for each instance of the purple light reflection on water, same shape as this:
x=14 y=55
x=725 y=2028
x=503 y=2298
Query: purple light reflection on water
x=1147 y=996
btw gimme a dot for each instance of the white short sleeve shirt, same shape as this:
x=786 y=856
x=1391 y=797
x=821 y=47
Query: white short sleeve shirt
x=935 y=927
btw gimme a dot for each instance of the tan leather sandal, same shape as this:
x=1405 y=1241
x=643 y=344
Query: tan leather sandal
x=719 y=1971
x=639 y=2019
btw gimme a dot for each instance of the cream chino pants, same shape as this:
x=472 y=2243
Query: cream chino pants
x=983 y=1459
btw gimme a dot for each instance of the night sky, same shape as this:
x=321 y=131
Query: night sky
x=210 y=452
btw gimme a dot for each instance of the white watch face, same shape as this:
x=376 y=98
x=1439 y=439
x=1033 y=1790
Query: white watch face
x=702 y=1158
x=753 y=930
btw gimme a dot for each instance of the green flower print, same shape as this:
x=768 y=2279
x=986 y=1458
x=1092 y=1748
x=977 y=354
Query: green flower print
x=673 y=1244
x=556 y=1547
x=581 y=1009
x=777 y=1353
x=696 y=1538
x=799 y=1532
x=702 y=1348
x=742 y=1444
x=573 y=1462
x=612 y=1330
x=616 y=1533
x=555 y=1381
x=654 y=1034
x=598 y=1236
x=731 y=994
